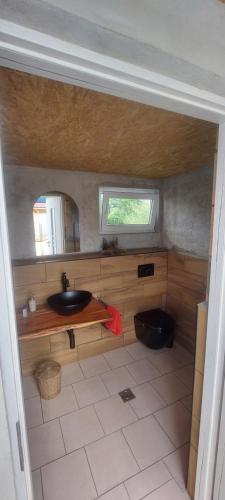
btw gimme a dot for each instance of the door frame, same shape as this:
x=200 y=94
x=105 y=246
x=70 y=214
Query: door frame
x=10 y=364
x=212 y=400
x=27 y=50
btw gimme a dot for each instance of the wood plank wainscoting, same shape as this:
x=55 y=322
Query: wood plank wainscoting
x=187 y=283
x=114 y=279
x=197 y=394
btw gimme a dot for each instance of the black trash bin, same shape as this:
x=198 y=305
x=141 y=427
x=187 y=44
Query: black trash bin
x=155 y=328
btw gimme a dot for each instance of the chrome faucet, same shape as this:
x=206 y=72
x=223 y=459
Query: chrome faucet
x=65 y=282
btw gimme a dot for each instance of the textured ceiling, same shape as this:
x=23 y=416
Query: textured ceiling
x=49 y=124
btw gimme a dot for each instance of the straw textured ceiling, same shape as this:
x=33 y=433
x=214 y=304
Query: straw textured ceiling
x=54 y=125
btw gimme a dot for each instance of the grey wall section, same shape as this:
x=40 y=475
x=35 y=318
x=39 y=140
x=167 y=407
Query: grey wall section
x=185 y=217
x=24 y=184
x=187 y=211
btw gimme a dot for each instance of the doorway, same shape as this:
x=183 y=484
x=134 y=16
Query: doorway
x=217 y=228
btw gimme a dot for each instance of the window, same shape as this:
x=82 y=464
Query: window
x=124 y=210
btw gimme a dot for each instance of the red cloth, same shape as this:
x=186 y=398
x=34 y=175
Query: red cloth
x=115 y=324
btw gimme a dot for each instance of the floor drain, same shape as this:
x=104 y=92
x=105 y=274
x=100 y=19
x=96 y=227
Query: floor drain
x=127 y=395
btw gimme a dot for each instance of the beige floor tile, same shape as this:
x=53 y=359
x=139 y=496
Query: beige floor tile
x=94 y=366
x=117 y=380
x=90 y=391
x=177 y=464
x=111 y=461
x=118 y=357
x=69 y=478
x=183 y=355
x=170 y=388
x=169 y=491
x=187 y=402
x=33 y=412
x=64 y=403
x=138 y=350
x=186 y=375
x=29 y=387
x=118 y=493
x=142 y=371
x=148 y=441
x=114 y=414
x=37 y=485
x=46 y=444
x=147 y=400
x=176 y=422
x=158 y=352
x=166 y=362
x=71 y=373
x=80 y=428
x=147 y=481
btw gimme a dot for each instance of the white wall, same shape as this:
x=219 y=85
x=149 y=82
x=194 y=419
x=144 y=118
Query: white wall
x=157 y=35
x=173 y=27
x=24 y=184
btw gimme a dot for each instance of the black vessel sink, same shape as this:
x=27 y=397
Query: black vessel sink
x=70 y=302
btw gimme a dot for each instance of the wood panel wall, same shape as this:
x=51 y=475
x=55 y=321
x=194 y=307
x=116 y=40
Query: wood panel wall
x=200 y=362
x=178 y=285
x=187 y=282
x=113 y=279
x=197 y=395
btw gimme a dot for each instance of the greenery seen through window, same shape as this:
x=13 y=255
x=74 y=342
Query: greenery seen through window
x=129 y=211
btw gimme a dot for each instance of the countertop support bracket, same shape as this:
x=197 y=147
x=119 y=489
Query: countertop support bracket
x=71 y=333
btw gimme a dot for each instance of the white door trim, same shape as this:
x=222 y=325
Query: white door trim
x=215 y=345
x=28 y=50
x=9 y=361
x=219 y=489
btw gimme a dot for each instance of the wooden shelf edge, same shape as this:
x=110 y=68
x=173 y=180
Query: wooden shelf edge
x=45 y=322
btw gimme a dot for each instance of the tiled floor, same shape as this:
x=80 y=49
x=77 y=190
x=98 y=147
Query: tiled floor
x=88 y=444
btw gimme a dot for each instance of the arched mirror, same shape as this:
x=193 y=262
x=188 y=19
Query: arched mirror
x=56 y=224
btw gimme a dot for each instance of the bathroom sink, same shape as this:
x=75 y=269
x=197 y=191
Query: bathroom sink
x=69 y=302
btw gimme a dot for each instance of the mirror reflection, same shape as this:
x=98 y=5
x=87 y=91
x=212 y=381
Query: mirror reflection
x=56 y=224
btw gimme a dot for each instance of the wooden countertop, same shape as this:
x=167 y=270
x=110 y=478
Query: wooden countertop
x=46 y=322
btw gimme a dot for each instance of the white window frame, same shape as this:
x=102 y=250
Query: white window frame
x=107 y=192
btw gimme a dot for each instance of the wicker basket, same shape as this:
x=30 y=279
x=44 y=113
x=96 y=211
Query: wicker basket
x=48 y=377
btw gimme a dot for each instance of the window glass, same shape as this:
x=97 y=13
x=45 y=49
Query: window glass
x=129 y=211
